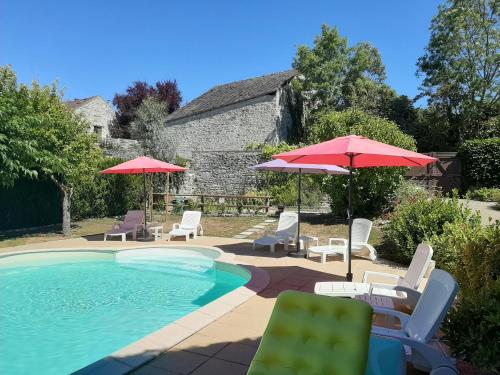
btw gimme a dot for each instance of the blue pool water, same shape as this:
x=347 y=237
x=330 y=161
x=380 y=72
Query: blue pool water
x=59 y=316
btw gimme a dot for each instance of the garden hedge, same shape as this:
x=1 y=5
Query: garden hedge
x=481 y=162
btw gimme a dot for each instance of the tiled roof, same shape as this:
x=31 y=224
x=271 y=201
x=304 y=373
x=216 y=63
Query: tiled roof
x=76 y=103
x=235 y=92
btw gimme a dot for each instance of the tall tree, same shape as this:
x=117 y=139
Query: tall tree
x=166 y=92
x=41 y=138
x=148 y=128
x=461 y=67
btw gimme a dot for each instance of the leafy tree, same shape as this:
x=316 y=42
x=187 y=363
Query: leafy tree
x=166 y=92
x=337 y=77
x=148 y=128
x=372 y=187
x=41 y=138
x=461 y=67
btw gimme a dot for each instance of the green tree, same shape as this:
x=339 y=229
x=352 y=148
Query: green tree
x=41 y=138
x=148 y=127
x=461 y=67
x=372 y=187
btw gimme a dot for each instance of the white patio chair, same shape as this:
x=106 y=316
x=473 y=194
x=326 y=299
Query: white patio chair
x=418 y=329
x=134 y=220
x=286 y=232
x=190 y=225
x=361 y=229
x=405 y=287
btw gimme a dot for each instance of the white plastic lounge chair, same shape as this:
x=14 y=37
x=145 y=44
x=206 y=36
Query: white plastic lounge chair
x=286 y=232
x=418 y=330
x=134 y=220
x=190 y=225
x=405 y=287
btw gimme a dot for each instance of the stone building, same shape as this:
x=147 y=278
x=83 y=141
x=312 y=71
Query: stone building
x=97 y=111
x=214 y=130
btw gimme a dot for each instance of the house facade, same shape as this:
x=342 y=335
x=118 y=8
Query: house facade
x=214 y=130
x=97 y=111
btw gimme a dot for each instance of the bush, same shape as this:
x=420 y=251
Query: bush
x=481 y=162
x=405 y=192
x=484 y=194
x=372 y=187
x=425 y=219
x=473 y=327
x=97 y=195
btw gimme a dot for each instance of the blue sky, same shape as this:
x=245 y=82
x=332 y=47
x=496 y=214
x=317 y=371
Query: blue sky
x=100 y=47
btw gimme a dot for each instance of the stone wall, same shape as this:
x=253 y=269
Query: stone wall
x=221 y=172
x=232 y=128
x=98 y=113
x=122 y=148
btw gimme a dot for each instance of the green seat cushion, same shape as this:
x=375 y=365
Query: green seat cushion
x=310 y=334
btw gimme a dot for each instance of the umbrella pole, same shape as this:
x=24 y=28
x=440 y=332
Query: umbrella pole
x=145 y=201
x=297 y=253
x=349 y=218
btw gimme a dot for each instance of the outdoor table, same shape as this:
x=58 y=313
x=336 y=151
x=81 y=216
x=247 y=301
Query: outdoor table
x=325 y=250
x=156 y=230
x=305 y=241
x=342 y=289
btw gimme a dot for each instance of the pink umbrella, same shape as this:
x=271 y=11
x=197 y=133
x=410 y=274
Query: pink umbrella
x=143 y=165
x=355 y=152
x=279 y=165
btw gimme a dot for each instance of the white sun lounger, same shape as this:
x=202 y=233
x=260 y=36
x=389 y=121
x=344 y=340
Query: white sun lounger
x=134 y=220
x=286 y=232
x=190 y=225
x=418 y=330
x=405 y=287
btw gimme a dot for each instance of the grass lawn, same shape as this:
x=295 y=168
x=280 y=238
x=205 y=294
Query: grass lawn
x=322 y=226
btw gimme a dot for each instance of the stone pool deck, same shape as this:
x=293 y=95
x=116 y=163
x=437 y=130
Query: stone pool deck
x=227 y=345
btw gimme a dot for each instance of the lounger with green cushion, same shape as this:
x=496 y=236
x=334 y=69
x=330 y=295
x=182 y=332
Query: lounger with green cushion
x=314 y=335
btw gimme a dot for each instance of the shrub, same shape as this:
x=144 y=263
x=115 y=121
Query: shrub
x=423 y=219
x=481 y=162
x=407 y=191
x=484 y=194
x=473 y=327
x=372 y=187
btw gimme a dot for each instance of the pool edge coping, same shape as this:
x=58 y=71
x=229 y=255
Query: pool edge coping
x=152 y=345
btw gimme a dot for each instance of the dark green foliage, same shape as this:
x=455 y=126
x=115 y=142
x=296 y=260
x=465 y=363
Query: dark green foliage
x=484 y=194
x=372 y=187
x=481 y=162
x=424 y=219
x=473 y=327
x=30 y=203
x=97 y=195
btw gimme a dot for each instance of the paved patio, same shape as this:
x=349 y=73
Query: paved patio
x=228 y=345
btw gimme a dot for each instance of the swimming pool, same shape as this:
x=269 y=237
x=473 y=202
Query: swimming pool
x=61 y=311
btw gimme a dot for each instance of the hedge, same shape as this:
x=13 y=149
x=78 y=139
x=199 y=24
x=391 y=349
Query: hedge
x=481 y=162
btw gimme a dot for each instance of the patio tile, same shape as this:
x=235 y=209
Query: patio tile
x=179 y=362
x=220 y=367
x=150 y=370
x=238 y=353
x=195 y=321
x=202 y=344
x=255 y=322
x=229 y=332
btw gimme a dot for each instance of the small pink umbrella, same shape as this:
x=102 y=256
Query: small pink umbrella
x=354 y=151
x=143 y=165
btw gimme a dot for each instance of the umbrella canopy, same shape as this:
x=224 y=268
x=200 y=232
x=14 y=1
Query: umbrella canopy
x=143 y=164
x=363 y=151
x=279 y=165
x=355 y=152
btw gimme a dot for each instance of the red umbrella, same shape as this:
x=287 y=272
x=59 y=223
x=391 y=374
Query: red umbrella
x=143 y=165
x=355 y=152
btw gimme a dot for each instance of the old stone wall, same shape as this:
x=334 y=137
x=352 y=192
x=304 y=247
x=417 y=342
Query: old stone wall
x=122 y=148
x=231 y=128
x=98 y=113
x=221 y=172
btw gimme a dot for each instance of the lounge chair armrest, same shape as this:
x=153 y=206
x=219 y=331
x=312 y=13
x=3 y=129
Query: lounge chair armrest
x=412 y=295
x=200 y=229
x=381 y=274
x=335 y=239
x=403 y=318
x=176 y=226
